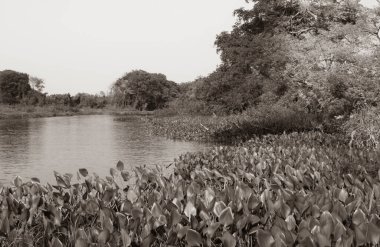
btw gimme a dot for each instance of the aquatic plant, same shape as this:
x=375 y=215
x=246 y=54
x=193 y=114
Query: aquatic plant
x=288 y=190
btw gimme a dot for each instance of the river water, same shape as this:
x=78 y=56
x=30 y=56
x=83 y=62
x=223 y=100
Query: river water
x=37 y=147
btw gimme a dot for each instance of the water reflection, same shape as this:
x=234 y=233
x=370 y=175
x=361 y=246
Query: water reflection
x=14 y=144
x=36 y=147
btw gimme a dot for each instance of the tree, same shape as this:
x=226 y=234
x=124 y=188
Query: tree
x=14 y=86
x=320 y=56
x=143 y=91
x=36 y=83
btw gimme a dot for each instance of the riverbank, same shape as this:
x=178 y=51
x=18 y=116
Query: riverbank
x=22 y=111
x=230 y=129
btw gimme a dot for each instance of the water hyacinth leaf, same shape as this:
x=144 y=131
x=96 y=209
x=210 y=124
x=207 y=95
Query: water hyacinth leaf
x=211 y=229
x=209 y=196
x=122 y=219
x=226 y=217
x=104 y=236
x=190 y=210
x=110 y=179
x=358 y=217
x=339 y=230
x=125 y=238
x=254 y=219
x=113 y=172
x=125 y=175
x=131 y=196
x=56 y=242
x=181 y=230
x=61 y=182
x=326 y=223
x=137 y=213
x=160 y=221
x=92 y=207
x=343 y=195
x=360 y=235
x=120 y=165
x=284 y=210
x=193 y=238
x=156 y=210
x=322 y=240
x=80 y=233
x=241 y=223
x=219 y=207
x=290 y=223
x=175 y=217
x=107 y=224
x=264 y=238
x=373 y=234
x=4 y=225
x=17 y=181
x=253 y=202
x=228 y=240
x=80 y=242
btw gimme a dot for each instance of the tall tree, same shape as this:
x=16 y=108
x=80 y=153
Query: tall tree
x=144 y=91
x=14 y=86
x=321 y=55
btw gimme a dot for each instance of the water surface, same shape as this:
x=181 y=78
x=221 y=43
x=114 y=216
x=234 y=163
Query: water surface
x=37 y=147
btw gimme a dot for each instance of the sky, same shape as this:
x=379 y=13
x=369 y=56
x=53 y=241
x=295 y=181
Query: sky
x=85 y=45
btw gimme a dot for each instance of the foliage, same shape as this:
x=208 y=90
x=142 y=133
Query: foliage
x=14 y=86
x=272 y=191
x=260 y=121
x=89 y=100
x=363 y=127
x=143 y=90
x=36 y=83
x=264 y=61
x=59 y=99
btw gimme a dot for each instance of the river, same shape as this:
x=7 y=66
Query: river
x=37 y=147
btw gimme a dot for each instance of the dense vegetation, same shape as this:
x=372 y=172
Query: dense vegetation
x=14 y=86
x=287 y=66
x=20 y=89
x=315 y=56
x=290 y=65
x=287 y=190
x=143 y=91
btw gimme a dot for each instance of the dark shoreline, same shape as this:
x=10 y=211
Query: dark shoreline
x=22 y=112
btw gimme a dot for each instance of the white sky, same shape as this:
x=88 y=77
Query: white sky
x=85 y=45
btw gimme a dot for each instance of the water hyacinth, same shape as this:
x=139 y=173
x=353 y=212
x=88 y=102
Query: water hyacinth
x=273 y=191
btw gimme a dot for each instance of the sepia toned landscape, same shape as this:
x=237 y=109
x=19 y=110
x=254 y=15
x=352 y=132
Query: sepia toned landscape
x=276 y=145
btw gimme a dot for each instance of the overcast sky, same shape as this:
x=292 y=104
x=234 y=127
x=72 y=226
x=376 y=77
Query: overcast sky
x=85 y=45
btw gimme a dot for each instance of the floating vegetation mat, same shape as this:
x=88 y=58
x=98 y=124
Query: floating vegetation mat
x=288 y=190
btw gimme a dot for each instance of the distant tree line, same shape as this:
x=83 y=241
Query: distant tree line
x=20 y=88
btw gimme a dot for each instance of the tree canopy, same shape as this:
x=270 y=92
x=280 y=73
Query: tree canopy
x=143 y=91
x=322 y=56
x=14 y=86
